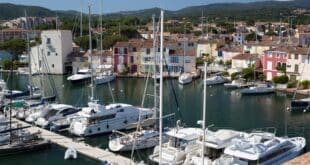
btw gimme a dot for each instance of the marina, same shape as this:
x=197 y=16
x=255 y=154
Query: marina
x=265 y=111
x=154 y=91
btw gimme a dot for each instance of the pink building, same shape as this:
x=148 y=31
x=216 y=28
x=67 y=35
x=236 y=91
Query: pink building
x=271 y=59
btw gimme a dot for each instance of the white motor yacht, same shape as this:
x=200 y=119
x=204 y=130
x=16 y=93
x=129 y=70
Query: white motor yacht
x=261 y=148
x=81 y=76
x=215 y=80
x=215 y=143
x=182 y=141
x=185 y=78
x=105 y=77
x=97 y=118
x=55 y=112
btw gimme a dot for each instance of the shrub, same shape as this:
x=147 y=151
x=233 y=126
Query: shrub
x=292 y=84
x=261 y=77
x=199 y=61
x=234 y=75
x=305 y=84
x=280 y=79
x=225 y=74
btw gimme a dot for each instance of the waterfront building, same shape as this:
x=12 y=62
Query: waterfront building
x=51 y=56
x=241 y=61
x=205 y=47
x=273 y=59
x=227 y=52
x=298 y=63
x=8 y=34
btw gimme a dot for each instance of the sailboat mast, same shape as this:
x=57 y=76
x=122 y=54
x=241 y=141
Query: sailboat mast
x=101 y=12
x=184 y=45
x=90 y=53
x=29 y=56
x=161 y=85
x=204 y=112
x=155 y=61
x=81 y=20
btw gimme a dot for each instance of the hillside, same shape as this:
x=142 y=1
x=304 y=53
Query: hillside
x=11 y=11
x=254 y=10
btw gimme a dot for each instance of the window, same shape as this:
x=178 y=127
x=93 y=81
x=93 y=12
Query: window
x=278 y=55
x=296 y=57
x=48 y=41
x=174 y=59
x=134 y=49
x=296 y=68
x=171 y=51
x=53 y=65
x=56 y=54
x=48 y=53
x=115 y=51
x=148 y=51
x=125 y=50
x=131 y=59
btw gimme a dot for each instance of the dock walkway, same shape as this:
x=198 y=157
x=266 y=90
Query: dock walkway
x=300 y=160
x=82 y=148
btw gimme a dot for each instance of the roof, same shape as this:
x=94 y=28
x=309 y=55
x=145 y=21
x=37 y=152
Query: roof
x=245 y=56
x=221 y=138
x=231 y=48
x=292 y=49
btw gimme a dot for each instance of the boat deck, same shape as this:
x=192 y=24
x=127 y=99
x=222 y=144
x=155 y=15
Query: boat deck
x=300 y=160
x=95 y=153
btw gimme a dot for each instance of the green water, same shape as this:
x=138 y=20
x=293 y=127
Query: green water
x=225 y=109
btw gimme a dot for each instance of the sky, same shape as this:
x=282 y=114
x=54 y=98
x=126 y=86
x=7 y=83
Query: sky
x=110 y=6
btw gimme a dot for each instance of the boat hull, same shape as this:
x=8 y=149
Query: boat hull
x=29 y=147
x=300 y=104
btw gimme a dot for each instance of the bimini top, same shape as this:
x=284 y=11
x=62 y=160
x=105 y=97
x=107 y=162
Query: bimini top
x=185 y=133
x=221 y=138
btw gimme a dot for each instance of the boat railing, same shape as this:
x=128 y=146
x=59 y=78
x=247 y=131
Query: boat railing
x=272 y=130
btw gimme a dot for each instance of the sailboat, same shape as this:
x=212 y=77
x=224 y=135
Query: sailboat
x=141 y=138
x=181 y=140
x=20 y=140
x=184 y=78
x=106 y=73
x=97 y=119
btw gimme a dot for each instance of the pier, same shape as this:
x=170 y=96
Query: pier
x=92 y=152
x=300 y=160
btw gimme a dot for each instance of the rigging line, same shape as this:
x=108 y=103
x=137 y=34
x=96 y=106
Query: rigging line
x=146 y=85
x=173 y=90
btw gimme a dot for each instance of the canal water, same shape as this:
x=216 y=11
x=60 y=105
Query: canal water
x=225 y=109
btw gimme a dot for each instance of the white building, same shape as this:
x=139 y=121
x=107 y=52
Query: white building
x=298 y=64
x=242 y=61
x=51 y=55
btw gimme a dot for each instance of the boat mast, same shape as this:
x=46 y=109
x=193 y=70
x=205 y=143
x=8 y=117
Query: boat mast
x=81 y=20
x=90 y=54
x=184 y=45
x=101 y=12
x=155 y=62
x=204 y=113
x=29 y=56
x=161 y=85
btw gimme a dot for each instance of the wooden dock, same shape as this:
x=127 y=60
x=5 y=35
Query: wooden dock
x=92 y=152
x=300 y=160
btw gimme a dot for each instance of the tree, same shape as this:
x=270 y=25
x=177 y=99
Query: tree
x=250 y=22
x=252 y=37
x=248 y=73
x=14 y=46
x=83 y=42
